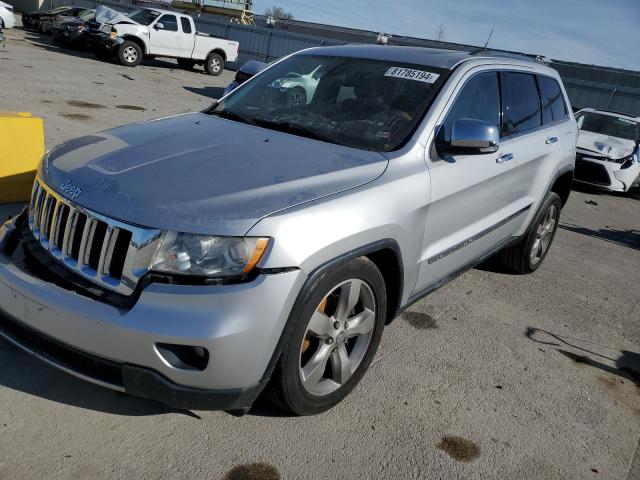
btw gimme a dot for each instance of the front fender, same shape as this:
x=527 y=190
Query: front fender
x=391 y=208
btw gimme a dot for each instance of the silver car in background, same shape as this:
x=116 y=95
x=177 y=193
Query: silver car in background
x=263 y=245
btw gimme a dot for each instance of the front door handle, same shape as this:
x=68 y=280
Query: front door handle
x=505 y=157
x=551 y=140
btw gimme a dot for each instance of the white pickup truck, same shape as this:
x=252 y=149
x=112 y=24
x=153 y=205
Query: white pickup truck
x=150 y=32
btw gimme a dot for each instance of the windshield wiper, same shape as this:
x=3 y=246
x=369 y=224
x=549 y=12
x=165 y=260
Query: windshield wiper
x=231 y=116
x=288 y=127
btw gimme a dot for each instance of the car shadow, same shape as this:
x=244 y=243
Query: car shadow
x=626 y=238
x=626 y=364
x=21 y=372
x=210 y=92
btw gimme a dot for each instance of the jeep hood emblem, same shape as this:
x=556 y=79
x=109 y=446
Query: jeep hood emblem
x=73 y=191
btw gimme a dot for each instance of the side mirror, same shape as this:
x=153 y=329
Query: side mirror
x=159 y=26
x=471 y=137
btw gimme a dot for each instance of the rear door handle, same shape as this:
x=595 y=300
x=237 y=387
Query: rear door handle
x=505 y=157
x=551 y=140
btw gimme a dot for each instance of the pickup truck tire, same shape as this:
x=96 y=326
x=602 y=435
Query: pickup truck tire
x=339 y=321
x=527 y=255
x=130 y=54
x=186 y=63
x=214 y=64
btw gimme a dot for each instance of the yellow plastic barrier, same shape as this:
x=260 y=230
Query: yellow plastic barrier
x=21 y=148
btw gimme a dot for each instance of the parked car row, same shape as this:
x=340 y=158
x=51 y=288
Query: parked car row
x=144 y=33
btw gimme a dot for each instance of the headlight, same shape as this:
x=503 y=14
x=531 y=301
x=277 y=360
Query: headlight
x=206 y=255
x=629 y=161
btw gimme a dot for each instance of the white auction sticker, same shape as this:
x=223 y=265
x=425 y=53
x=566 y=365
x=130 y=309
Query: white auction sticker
x=411 y=74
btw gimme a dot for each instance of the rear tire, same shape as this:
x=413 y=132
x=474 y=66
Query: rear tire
x=186 y=63
x=528 y=254
x=214 y=64
x=331 y=347
x=130 y=54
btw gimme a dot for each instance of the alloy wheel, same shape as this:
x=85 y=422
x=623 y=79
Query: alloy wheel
x=544 y=233
x=130 y=55
x=337 y=337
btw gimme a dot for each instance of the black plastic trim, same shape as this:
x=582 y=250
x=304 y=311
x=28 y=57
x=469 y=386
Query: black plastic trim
x=477 y=236
x=430 y=289
x=136 y=380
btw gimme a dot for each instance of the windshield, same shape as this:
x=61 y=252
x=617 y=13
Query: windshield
x=366 y=104
x=87 y=15
x=608 y=125
x=59 y=10
x=144 y=16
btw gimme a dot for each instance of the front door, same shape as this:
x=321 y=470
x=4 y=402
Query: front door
x=474 y=203
x=165 y=37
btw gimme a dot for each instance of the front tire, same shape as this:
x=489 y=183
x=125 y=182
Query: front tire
x=130 y=54
x=214 y=64
x=527 y=255
x=339 y=326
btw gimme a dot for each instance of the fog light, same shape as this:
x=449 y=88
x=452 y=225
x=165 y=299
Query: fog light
x=184 y=357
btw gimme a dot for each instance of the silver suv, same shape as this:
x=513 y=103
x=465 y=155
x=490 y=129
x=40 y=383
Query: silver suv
x=200 y=258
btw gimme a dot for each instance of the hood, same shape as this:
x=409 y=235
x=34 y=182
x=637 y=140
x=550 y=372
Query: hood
x=202 y=174
x=111 y=16
x=611 y=147
x=253 y=67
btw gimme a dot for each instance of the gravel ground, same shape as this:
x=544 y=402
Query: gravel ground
x=492 y=376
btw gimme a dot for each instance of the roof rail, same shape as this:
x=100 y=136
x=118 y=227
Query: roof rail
x=503 y=54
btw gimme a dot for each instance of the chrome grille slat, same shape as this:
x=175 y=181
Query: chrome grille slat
x=87 y=241
x=55 y=225
x=106 y=253
x=69 y=230
x=64 y=228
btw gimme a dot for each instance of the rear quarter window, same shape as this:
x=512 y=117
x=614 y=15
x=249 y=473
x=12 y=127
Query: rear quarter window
x=186 y=25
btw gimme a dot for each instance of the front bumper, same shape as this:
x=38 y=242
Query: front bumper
x=239 y=325
x=98 y=39
x=606 y=174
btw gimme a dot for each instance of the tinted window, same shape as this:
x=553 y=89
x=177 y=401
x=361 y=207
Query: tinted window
x=186 y=25
x=479 y=100
x=520 y=103
x=169 y=22
x=362 y=103
x=553 y=106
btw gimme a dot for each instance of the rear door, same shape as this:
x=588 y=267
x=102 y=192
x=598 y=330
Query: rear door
x=165 y=36
x=473 y=200
x=535 y=141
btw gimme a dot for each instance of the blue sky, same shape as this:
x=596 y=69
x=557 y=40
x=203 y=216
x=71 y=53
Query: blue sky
x=602 y=32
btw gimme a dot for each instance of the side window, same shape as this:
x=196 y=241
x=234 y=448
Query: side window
x=520 y=103
x=479 y=99
x=186 y=25
x=553 y=106
x=169 y=22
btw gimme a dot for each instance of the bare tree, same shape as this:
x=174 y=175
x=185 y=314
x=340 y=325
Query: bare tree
x=278 y=13
x=440 y=31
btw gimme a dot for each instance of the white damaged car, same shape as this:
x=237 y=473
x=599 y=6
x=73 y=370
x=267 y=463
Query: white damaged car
x=608 y=152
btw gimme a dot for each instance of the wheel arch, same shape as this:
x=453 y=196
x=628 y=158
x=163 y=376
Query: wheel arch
x=141 y=43
x=385 y=254
x=220 y=52
x=562 y=185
